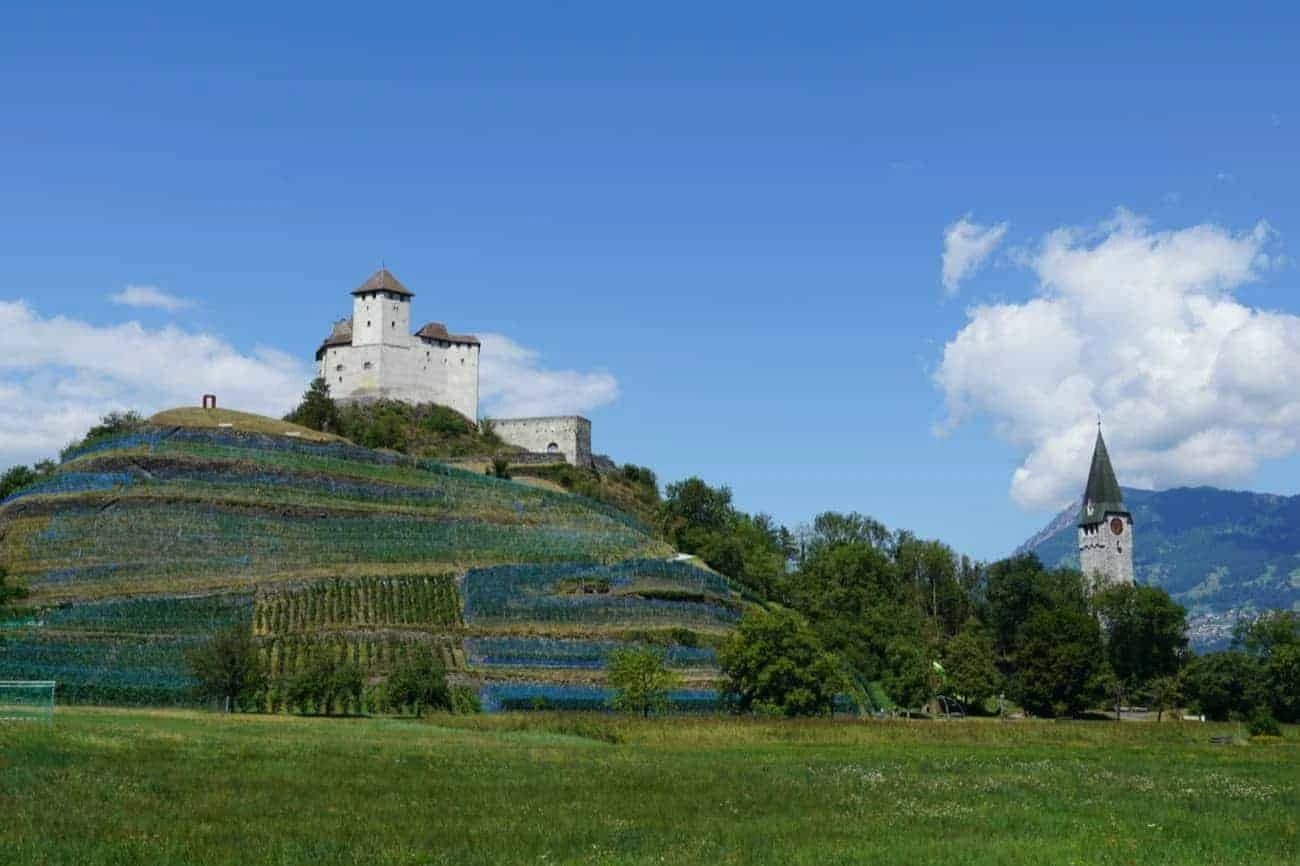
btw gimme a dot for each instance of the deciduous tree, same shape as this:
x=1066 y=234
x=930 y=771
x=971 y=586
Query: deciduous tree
x=640 y=680
x=228 y=666
x=774 y=662
x=419 y=681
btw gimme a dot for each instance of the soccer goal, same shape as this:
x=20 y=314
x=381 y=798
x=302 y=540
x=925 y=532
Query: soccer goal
x=26 y=701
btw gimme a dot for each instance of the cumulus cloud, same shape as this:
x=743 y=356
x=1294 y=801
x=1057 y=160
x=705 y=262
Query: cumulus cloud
x=966 y=246
x=1141 y=327
x=150 y=297
x=59 y=375
x=514 y=384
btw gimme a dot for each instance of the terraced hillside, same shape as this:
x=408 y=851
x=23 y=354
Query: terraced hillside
x=145 y=543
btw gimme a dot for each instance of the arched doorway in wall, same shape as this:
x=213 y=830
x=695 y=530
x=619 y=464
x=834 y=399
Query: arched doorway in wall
x=553 y=448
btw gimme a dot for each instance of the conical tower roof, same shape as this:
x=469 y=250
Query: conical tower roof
x=1102 y=496
x=383 y=280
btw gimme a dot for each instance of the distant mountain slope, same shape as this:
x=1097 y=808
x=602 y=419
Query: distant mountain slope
x=1218 y=552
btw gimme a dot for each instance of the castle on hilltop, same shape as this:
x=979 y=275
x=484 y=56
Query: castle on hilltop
x=372 y=355
x=1105 y=525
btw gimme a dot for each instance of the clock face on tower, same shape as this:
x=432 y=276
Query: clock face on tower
x=1117 y=526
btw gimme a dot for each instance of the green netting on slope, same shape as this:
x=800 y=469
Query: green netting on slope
x=332 y=459
x=637 y=592
x=376 y=652
x=104 y=670
x=424 y=601
x=82 y=545
x=196 y=615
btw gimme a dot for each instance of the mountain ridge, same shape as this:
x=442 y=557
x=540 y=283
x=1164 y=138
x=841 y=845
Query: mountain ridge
x=1223 y=554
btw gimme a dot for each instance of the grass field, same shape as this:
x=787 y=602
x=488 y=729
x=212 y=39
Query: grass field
x=135 y=786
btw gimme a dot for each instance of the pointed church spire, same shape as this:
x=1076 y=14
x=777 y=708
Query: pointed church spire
x=1102 y=495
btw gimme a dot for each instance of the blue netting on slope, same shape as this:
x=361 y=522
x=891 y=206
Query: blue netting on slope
x=75 y=482
x=541 y=652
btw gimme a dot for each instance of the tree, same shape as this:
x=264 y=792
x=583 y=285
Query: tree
x=1058 y=659
x=1164 y=693
x=861 y=609
x=1274 y=639
x=1016 y=589
x=774 y=662
x=420 y=681
x=1223 y=685
x=317 y=411
x=1145 y=630
x=228 y=666
x=831 y=528
x=16 y=479
x=640 y=681
x=971 y=665
x=324 y=680
x=692 y=505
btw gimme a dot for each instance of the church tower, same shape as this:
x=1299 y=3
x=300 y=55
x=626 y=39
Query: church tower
x=1105 y=526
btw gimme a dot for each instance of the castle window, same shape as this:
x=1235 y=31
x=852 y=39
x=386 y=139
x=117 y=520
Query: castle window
x=392 y=324
x=366 y=365
x=338 y=369
x=367 y=323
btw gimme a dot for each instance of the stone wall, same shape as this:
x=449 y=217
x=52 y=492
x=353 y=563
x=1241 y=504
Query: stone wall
x=569 y=435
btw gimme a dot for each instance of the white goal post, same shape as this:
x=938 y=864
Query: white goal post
x=22 y=701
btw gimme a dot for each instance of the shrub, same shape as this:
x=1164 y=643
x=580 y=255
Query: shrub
x=419 y=681
x=1262 y=724
x=317 y=410
x=324 y=681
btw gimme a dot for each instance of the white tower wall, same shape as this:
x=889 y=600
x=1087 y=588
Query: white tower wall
x=1105 y=553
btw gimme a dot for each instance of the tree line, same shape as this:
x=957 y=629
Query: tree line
x=886 y=619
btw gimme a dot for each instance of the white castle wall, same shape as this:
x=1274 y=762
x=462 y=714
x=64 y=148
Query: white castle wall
x=569 y=435
x=385 y=361
x=1102 y=552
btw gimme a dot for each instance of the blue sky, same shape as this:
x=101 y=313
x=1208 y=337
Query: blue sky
x=736 y=211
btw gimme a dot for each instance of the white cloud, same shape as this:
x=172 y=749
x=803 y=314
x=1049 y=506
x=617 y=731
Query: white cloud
x=1141 y=327
x=966 y=245
x=59 y=375
x=150 y=297
x=513 y=384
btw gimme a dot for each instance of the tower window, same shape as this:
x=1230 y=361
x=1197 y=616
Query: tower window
x=392 y=324
x=367 y=323
x=366 y=365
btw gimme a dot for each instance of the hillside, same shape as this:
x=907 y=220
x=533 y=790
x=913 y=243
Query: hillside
x=142 y=543
x=1218 y=552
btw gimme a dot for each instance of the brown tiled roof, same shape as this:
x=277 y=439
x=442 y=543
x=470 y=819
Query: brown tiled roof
x=383 y=280
x=340 y=336
x=438 y=331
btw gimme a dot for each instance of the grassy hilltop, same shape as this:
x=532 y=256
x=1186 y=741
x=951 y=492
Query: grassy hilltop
x=144 y=542
x=122 y=787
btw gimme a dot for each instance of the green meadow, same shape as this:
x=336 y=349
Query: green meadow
x=138 y=786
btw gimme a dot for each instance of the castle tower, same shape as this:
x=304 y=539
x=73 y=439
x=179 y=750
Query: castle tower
x=381 y=311
x=1105 y=526
x=374 y=356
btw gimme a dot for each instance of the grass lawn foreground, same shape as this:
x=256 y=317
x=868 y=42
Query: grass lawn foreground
x=105 y=786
